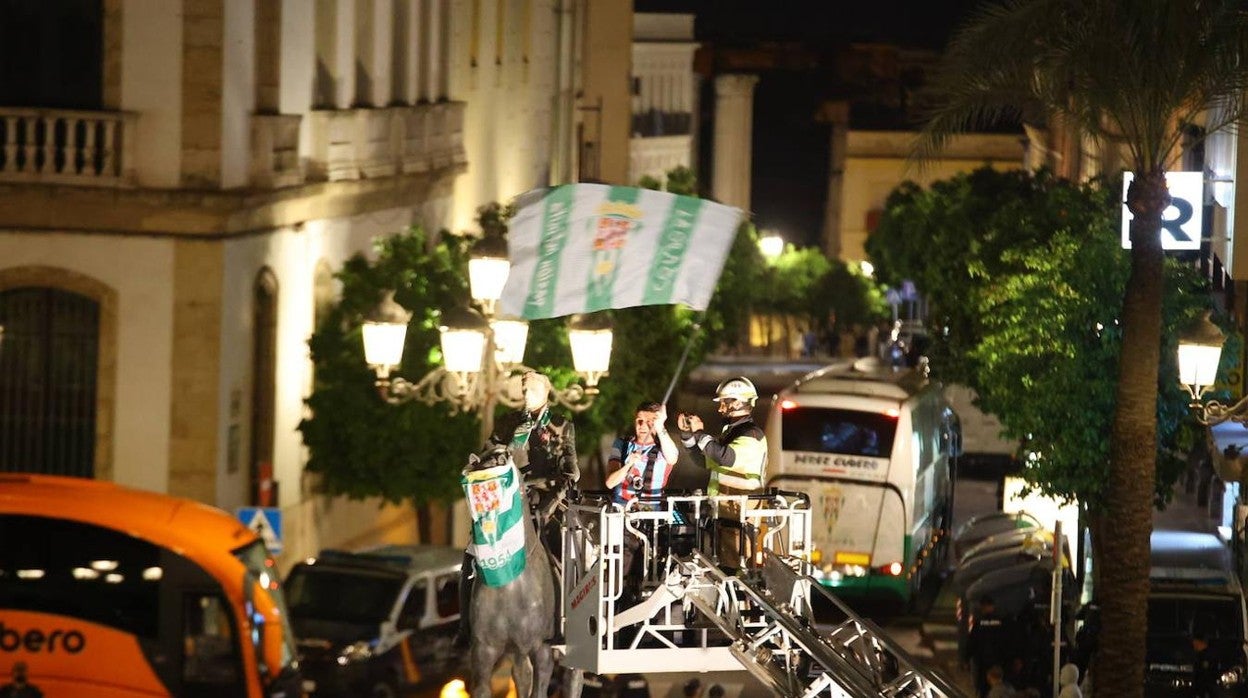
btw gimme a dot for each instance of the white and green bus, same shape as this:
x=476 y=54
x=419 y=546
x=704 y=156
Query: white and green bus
x=875 y=450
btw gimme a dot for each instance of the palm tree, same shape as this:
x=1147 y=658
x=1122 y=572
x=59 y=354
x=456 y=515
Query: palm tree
x=1133 y=75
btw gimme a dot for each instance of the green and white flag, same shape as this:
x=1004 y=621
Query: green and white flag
x=497 y=508
x=587 y=247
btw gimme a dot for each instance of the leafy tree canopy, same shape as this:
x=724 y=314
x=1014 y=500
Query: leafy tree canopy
x=1025 y=277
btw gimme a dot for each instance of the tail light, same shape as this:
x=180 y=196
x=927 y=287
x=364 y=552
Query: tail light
x=892 y=569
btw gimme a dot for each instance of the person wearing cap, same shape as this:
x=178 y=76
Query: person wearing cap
x=736 y=458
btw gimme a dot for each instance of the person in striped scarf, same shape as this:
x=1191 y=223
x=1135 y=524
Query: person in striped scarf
x=641 y=464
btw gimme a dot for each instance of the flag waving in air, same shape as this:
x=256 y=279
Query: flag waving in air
x=587 y=247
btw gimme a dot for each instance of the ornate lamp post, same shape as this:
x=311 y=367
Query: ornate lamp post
x=1200 y=352
x=483 y=353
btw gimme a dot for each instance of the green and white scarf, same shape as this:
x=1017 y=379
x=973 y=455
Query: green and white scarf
x=497 y=508
x=521 y=436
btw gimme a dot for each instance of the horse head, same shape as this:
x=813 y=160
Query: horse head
x=494 y=455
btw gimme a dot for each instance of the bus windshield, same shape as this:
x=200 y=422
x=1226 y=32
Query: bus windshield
x=831 y=430
x=345 y=596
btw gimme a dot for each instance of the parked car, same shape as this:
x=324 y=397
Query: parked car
x=985 y=525
x=1194 y=594
x=377 y=623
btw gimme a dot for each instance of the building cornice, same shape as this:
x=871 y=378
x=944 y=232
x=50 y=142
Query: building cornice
x=205 y=214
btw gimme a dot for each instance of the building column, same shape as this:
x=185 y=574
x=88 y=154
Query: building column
x=734 y=129
x=836 y=114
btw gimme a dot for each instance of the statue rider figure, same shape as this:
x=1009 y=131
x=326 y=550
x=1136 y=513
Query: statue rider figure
x=543 y=446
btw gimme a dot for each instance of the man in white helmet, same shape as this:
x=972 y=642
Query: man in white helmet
x=737 y=458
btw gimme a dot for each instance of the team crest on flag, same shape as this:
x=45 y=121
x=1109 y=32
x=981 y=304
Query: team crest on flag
x=580 y=248
x=496 y=505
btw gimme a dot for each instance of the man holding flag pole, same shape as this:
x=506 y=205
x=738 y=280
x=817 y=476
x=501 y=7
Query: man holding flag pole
x=570 y=245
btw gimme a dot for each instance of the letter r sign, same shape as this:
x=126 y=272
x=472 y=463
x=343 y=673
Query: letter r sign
x=1182 y=223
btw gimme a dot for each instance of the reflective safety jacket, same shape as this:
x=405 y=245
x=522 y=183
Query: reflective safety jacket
x=737 y=459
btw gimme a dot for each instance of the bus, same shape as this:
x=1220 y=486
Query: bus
x=874 y=448
x=115 y=592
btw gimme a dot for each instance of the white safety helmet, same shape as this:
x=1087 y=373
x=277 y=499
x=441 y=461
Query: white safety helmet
x=739 y=388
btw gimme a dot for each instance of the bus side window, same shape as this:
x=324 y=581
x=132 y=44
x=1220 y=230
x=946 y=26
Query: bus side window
x=448 y=595
x=414 y=606
x=208 y=639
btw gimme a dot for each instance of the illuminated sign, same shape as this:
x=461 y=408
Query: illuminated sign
x=1182 y=222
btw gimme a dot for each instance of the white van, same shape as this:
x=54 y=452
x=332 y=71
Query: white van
x=874 y=448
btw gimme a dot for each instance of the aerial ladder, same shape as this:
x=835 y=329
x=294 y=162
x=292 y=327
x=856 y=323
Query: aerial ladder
x=686 y=613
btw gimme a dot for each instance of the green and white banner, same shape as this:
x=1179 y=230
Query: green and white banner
x=587 y=247
x=497 y=508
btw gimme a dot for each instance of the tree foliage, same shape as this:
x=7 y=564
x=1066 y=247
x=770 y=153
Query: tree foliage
x=1135 y=77
x=359 y=445
x=1025 y=275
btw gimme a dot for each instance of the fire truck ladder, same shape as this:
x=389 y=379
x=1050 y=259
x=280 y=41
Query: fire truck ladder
x=854 y=658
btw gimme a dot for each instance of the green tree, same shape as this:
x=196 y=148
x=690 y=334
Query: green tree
x=357 y=444
x=951 y=239
x=1132 y=75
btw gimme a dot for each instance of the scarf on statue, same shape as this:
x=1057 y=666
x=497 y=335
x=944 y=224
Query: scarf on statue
x=497 y=508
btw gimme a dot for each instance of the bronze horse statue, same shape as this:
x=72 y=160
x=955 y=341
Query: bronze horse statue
x=513 y=620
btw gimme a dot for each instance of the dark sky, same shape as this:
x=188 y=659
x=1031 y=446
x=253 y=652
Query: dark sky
x=790 y=156
x=919 y=23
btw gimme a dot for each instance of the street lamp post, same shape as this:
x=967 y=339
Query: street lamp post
x=1200 y=353
x=482 y=353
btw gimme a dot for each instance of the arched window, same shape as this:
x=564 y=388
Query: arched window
x=49 y=358
x=263 y=388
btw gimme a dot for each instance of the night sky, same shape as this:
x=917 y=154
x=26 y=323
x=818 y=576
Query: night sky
x=790 y=148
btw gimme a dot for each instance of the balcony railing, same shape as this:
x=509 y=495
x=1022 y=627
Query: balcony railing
x=656 y=156
x=367 y=143
x=66 y=147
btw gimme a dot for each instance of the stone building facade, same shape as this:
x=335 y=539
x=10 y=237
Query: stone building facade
x=170 y=223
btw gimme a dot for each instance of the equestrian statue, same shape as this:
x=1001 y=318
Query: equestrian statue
x=513 y=600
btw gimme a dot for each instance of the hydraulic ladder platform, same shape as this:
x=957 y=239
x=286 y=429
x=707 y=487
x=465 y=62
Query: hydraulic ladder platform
x=687 y=614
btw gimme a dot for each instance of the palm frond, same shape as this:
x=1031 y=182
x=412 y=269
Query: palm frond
x=1132 y=72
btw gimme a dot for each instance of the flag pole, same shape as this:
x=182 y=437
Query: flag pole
x=697 y=327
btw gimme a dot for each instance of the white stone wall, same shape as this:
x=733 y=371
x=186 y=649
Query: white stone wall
x=151 y=86
x=507 y=124
x=238 y=90
x=140 y=271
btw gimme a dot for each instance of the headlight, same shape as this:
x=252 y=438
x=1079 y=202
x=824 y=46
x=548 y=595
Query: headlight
x=1232 y=677
x=355 y=653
